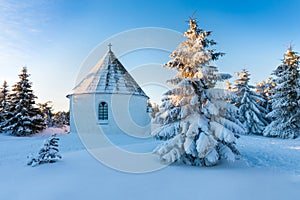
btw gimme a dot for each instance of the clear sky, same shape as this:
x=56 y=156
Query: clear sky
x=52 y=38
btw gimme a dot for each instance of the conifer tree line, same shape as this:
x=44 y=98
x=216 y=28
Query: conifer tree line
x=272 y=107
x=20 y=115
x=200 y=122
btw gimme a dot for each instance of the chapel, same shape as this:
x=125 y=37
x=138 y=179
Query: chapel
x=119 y=102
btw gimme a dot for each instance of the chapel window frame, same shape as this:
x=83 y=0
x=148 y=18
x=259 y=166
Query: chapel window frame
x=103 y=111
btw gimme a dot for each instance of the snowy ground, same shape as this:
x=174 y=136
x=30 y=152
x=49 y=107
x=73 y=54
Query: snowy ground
x=268 y=169
x=271 y=153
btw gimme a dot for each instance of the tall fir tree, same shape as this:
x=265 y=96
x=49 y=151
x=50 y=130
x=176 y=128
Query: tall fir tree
x=264 y=88
x=197 y=121
x=285 y=100
x=232 y=98
x=228 y=86
x=251 y=113
x=239 y=86
x=155 y=110
x=61 y=119
x=168 y=117
x=4 y=104
x=46 y=111
x=25 y=118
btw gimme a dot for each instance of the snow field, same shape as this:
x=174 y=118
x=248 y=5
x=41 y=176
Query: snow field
x=268 y=169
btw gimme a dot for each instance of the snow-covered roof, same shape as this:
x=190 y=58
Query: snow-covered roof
x=109 y=76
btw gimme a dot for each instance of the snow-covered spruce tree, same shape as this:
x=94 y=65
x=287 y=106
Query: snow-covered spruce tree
x=264 y=89
x=285 y=100
x=228 y=86
x=239 y=86
x=46 y=111
x=155 y=110
x=4 y=104
x=168 y=117
x=25 y=118
x=197 y=121
x=61 y=118
x=232 y=98
x=251 y=113
x=49 y=153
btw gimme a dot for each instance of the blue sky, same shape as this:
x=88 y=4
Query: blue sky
x=52 y=38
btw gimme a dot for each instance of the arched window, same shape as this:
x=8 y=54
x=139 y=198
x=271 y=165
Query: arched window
x=103 y=111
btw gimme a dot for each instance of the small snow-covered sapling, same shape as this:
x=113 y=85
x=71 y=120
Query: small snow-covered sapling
x=49 y=153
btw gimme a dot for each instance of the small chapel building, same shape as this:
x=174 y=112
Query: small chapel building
x=118 y=97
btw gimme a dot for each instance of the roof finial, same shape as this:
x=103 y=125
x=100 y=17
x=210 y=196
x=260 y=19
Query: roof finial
x=291 y=46
x=109 y=46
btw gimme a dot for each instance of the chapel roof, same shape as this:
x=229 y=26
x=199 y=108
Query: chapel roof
x=109 y=76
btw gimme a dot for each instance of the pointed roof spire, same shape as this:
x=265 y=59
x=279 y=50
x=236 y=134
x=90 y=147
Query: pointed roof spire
x=109 y=47
x=109 y=76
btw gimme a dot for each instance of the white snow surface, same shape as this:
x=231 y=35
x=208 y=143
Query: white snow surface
x=268 y=169
x=54 y=130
